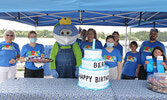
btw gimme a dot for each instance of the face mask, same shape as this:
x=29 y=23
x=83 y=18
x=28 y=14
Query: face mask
x=110 y=45
x=65 y=40
x=33 y=40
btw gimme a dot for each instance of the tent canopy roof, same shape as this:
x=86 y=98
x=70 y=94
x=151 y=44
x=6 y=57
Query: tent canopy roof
x=85 y=12
x=84 y=17
x=94 y=5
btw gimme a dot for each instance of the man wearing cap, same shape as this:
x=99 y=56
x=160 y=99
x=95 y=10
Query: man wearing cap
x=146 y=49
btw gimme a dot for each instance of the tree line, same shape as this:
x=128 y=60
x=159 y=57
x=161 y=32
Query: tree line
x=137 y=36
x=40 y=33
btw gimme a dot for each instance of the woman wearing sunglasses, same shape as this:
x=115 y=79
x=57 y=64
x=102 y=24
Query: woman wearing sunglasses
x=9 y=54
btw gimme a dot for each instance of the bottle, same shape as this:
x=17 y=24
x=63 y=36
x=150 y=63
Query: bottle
x=160 y=68
x=149 y=67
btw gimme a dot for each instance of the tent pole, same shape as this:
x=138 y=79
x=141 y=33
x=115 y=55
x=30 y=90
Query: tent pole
x=129 y=37
x=154 y=24
x=126 y=40
x=35 y=28
x=126 y=21
x=36 y=23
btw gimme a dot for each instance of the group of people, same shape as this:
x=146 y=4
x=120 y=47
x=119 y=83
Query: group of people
x=134 y=64
x=10 y=54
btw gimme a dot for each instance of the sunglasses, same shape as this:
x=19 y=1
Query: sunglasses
x=9 y=35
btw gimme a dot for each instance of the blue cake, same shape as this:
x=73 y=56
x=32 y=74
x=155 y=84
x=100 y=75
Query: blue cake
x=93 y=74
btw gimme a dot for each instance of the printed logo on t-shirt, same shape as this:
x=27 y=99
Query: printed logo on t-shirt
x=154 y=64
x=8 y=47
x=110 y=58
x=131 y=59
x=33 y=53
x=88 y=46
x=148 y=49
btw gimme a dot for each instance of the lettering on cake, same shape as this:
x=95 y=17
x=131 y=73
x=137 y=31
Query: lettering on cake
x=101 y=78
x=85 y=77
x=99 y=64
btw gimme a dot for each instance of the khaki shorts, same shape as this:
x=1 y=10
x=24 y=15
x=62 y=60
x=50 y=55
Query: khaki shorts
x=113 y=73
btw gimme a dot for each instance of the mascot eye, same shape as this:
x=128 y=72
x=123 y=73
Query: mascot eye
x=69 y=32
x=62 y=33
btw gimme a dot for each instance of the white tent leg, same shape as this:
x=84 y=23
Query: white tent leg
x=126 y=40
x=35 y=28
x=129 y=37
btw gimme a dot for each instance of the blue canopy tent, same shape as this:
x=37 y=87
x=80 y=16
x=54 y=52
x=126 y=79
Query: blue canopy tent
x=83 y=17
x=93 y=5
x=84 y=12
x=161 y=23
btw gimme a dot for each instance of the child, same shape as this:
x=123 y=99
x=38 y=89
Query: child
x=112 y=58
x=157 y=51
x=131 y=63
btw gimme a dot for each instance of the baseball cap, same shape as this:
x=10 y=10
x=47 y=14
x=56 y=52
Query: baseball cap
x=154 y=29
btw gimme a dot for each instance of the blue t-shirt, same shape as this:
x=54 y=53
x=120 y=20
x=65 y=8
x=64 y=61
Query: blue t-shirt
x=88 y=45
x=131 y=62
x=78 y=41
x=111 y=58
x=8 y=51
x=28 y=51
x=146 y=49
x=119 y=47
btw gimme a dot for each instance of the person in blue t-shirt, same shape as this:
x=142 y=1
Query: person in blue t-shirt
x=32 y=49
x=91 y=34
x=131 y=63
x=112 y=58
x=146 y=49
x=157 y=51
x=9 y=54
x=117 y=45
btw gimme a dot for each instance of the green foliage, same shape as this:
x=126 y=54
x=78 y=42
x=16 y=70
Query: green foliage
x=141 y=35
x=40 y=33
x=102 y=35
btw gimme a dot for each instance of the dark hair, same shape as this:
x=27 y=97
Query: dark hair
x=159 y=48
x=115 y=32
x=110 y=36
x=154 y=29
x=31 y=32
x=133 y=43
x=84 y=30
x=94 y=31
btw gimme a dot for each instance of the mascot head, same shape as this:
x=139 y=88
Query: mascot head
x=65 y=33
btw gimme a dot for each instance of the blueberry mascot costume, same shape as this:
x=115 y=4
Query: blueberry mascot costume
x=65 y=53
